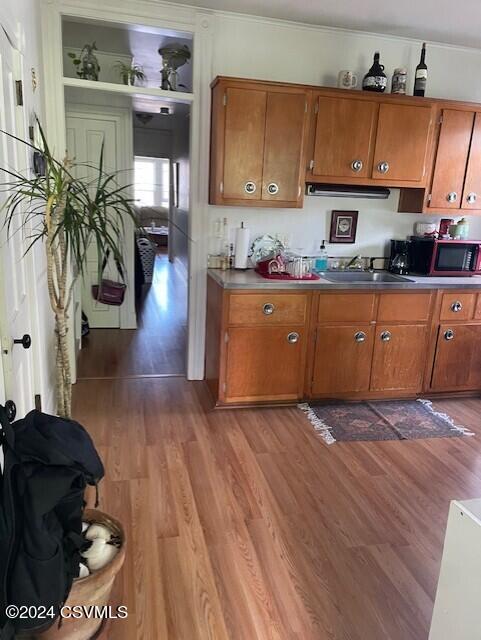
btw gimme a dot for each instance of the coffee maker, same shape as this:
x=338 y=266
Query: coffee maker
x=399 y=261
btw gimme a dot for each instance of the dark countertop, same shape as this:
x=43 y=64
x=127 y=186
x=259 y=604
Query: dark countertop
x=249 y=279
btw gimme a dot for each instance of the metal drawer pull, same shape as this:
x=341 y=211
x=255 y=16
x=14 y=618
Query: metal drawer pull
x=452 y=196
x=385 y=336
x=449 y=334
x=292 y=337
x=360 y=336
x=356 y=165
x=383 y=167
x=250 y=187
x=472 y=197
x=456 y=306
x=272 y=188
x=268 y=309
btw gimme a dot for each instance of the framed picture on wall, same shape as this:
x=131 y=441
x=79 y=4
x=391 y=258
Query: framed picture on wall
x=175 y=183
x=343 y=226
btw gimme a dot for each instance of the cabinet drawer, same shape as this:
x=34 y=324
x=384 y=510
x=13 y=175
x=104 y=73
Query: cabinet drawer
x=457 y=305
x=404 y=307
x=267 y=309
x=346 y=307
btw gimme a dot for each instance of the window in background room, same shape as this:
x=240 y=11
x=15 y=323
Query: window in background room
x=151 y=181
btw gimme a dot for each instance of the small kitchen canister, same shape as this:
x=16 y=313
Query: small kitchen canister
x=399 y=80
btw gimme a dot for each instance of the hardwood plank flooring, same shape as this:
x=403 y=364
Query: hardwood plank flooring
x=157 y=346
x=244 y=525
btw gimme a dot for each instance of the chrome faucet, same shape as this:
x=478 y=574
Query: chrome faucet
x=356 y=263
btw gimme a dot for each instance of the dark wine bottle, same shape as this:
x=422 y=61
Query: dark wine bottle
x=421 y=77
x=375 y=79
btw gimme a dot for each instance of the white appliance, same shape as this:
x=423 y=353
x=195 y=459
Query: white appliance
x=457 y=613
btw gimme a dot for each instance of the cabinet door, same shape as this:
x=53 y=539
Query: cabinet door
x=244 y=143
x=402 y=141
x=472 y=183
x=344 y=136
x=457 y=364
x=399 y=358
x=451 y=159
x=265 y=363
x=283 y=147
x=342 y=361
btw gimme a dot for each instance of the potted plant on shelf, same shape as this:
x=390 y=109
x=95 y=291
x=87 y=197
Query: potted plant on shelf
x=130 y=73
x=70 y=207
x=86 y=63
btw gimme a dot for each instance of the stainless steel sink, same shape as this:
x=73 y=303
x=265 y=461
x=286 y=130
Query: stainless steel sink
x=380 y=277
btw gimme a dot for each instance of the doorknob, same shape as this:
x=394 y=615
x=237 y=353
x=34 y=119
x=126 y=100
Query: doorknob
x=10 y=410
x=25 y=341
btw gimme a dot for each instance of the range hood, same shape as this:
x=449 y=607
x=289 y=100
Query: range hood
x=347 y=191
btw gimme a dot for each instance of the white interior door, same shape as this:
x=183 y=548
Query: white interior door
x=15 y=313
x=85 y=135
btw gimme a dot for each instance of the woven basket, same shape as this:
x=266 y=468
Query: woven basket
x=94 y=590
x=147 y=251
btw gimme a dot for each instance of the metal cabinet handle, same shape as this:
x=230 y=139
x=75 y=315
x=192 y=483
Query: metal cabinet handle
x=383 y=167
x=360 y=336
x=292 y=337
x=272 y=188
x=456 y=306
x=385 y=336
x=250 y=187
x=449 y=334
x=268 y=309
x=356 y=165
x=472 y=197
x=452 y=196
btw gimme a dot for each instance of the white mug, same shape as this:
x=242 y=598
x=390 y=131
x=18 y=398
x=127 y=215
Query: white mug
x=346 y=79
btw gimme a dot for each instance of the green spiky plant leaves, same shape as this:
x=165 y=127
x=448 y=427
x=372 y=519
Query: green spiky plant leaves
x=70 y=208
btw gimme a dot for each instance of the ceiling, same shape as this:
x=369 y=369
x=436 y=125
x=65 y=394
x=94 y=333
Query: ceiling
x=457 y=23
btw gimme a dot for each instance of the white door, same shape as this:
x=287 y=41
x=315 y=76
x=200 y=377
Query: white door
x=85 y=135
x=15 y=318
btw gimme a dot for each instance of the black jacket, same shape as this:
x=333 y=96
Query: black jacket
x=48 y=463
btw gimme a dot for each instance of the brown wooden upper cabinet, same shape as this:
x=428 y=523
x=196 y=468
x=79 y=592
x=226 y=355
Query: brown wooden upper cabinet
x=258 y=136
x=371 y=141
x=456 y=183
x=344 y=141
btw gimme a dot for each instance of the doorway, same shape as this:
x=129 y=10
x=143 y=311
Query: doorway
x=160 y=184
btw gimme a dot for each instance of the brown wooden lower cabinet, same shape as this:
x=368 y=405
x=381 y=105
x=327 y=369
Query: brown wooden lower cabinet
x=265 y=363
x=267 y=346
x=457 y=364
x=399 y=358
x=342 y=359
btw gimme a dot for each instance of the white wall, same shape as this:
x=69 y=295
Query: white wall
x=180 y=214
x=273 y=50
x=22 y=18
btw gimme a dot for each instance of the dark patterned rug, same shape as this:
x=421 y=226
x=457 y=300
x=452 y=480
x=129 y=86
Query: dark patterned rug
x=382 y=420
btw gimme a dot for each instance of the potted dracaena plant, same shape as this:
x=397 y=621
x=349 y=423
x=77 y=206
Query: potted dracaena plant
x=68 y=212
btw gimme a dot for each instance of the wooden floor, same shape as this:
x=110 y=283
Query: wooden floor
x=158 y=345
x=242 y=524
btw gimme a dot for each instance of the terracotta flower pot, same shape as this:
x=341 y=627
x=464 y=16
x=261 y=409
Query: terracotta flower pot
x=93 y=590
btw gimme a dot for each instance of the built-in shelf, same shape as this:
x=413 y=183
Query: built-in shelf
x=127 y=90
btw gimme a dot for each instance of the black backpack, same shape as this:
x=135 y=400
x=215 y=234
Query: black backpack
x=48 y=462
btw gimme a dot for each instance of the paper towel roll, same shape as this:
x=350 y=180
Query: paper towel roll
x=241 y=247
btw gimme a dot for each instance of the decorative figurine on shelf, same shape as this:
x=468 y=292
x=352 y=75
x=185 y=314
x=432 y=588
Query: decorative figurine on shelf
x=174 y=56
x=86 y=63
x=129 y=73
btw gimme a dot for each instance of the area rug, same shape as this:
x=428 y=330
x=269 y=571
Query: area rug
x=383 y=420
